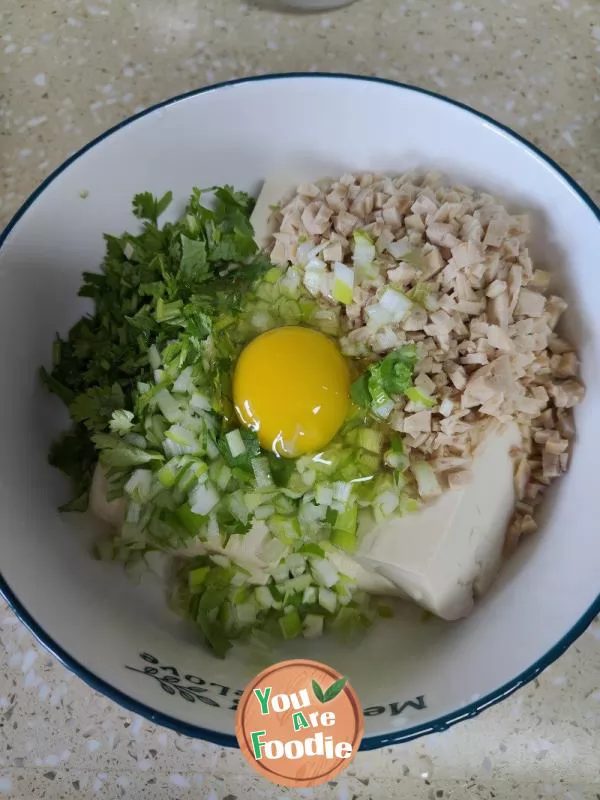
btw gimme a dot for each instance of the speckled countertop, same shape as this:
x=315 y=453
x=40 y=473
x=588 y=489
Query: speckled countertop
x=71 y=68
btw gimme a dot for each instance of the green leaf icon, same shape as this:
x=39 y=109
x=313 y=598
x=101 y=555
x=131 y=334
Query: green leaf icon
x=334 y=689
x=331 y=693
x=318 y=692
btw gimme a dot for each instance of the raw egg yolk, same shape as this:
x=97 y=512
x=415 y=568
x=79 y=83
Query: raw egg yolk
x=291 y=385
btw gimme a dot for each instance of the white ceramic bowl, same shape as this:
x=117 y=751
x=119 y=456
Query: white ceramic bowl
x=413 y=678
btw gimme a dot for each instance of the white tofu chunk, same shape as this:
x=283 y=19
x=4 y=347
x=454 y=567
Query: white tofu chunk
x=272 y=192
x=111 y=511
x=241 y=549
x=368 y=580
x=450 y=549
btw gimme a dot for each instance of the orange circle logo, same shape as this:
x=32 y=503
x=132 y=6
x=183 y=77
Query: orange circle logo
x=299 y=723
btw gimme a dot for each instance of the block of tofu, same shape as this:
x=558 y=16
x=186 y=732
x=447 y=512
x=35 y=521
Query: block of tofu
x=450 y=549
x=245 y=551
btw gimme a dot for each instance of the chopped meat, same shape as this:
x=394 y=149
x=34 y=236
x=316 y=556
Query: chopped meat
x=566 y=428
x=345 y=223
x=417 y=423
x=466 y=254
x=498 y=310
x=414 y=222
x=495 y=289
x=530 y=304
x=540 y=280
x=442 y=234
x=308 y=190
x=333 y=252
x=424 y=205
x=515 y=281
x=482 y=319
x=315 y=217
x=566 y=394
x=554 y=308
x=567 y=366
x=497 y=230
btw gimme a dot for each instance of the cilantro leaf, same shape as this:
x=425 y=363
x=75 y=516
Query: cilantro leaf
x=393 y=375
x=193 y=264
x=179 y=278
x=397 y=369
x=359 y=391
x=252 y=449
x=75 y=455
x=121 y=422
x=229 y=524
x=281 y=469
x=95 y=407
x=148 y=207
x=114 y=452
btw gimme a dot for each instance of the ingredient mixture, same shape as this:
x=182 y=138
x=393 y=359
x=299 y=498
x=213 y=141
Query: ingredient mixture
x=357 y=391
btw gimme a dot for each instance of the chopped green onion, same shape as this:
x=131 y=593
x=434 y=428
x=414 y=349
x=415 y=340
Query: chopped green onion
x=297 y=584
x=272 y=550
x=169 y=407
x=139 y=485
x=396 y=303
x=328 y=600
x=311 y=549
x=290 y=624
x=285 y=528
x=370 y=439
x=420 y=398
x=184 y=381
x=324 y=572
x=343 y=283
x=262 y=474
x=192 y=522
x=197 y=577
x=154 y=357
x=324 y=495
x=364 y=253
x=203 y=498
x=313 y=625
x=235 y=443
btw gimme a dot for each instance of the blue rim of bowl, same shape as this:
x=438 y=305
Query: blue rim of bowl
x=371 y=742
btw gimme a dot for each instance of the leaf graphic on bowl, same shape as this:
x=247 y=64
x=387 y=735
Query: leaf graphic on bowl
x=318 y=691
x=331 y=692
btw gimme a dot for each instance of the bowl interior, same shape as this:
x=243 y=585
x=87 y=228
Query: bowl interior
x=407 y=672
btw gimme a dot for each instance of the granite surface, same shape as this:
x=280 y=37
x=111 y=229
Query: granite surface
x=71 y=68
